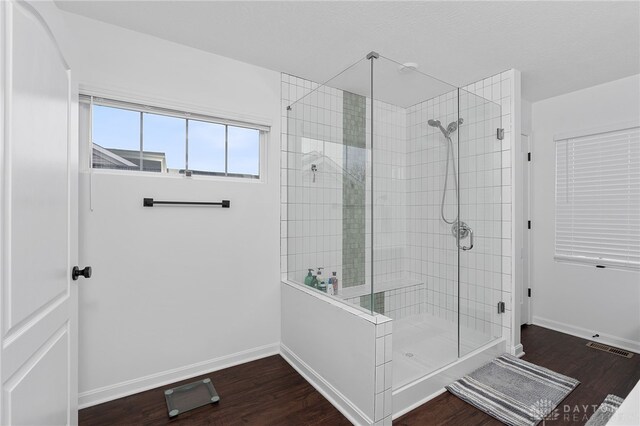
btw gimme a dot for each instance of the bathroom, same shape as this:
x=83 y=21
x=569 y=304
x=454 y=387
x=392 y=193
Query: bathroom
x=332 y=210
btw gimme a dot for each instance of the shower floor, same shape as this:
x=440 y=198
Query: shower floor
x=423 y=343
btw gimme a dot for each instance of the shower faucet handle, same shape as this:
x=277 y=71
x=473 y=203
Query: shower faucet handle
x=465 y=248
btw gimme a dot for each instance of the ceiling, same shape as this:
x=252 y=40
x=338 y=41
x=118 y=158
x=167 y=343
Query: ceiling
x=559 y=46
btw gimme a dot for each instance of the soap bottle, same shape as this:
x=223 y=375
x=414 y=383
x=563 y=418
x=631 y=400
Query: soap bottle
x=309 y=278
x=321 y=284
x=334 y=283
x=314 y=281
x=330 y=287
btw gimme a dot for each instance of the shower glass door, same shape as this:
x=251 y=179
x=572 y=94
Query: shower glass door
x=479 y=231
x=415 y=257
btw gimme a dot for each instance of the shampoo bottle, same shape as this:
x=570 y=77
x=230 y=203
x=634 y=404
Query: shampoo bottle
x=309 y=278
x=321 y=284
x=334 y=283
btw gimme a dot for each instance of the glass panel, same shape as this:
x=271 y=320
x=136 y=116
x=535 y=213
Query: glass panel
x=115 y=147
x=243 y=151
x=163 y=142
x=480 y=172
x=327 y=167
x=415 y=253
x=206 y=147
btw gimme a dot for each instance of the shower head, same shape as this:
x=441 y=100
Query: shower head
x=436 y=123
x=452 y=127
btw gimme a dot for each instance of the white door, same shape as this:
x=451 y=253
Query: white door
x=525 y=302
x=38 y=302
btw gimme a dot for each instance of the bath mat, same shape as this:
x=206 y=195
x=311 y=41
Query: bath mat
x=514 y=391
x=605 y=411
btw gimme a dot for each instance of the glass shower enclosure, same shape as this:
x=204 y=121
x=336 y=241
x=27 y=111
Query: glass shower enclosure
x=393 y=202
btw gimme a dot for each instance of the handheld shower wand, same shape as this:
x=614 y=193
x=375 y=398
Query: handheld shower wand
x=459 y=229
x=452 y=127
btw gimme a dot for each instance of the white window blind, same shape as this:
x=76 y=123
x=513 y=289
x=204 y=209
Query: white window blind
x=598 y=198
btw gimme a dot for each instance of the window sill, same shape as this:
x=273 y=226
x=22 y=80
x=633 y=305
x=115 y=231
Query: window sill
x=595 y=263
x=195 y=177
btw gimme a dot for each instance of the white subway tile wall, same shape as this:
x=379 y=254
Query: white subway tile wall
x=433 y=252
x=389 y=164
x=499 y=89
x=311 y=191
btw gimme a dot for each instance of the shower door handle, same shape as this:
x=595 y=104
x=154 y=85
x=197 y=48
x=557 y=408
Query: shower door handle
x=465 y=248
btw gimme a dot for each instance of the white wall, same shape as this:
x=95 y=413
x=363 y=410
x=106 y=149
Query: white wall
x=526 y=116
x=175 y=291
x=574 y=298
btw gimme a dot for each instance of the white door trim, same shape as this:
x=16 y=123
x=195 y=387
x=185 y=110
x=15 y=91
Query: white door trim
x=525 y=251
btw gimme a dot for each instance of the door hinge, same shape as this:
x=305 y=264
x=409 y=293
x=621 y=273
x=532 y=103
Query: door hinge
x=528 y=224
x=500 y=134
x=528 y=156
x=501 y=307
x=529 y=292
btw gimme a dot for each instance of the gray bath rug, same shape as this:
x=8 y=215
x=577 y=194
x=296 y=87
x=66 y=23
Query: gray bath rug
x=605 y=411
x=514 y=391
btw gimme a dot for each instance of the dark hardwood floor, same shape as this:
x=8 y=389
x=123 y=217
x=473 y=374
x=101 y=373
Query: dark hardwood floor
x=263 y=392
x=270 y=392
x=599 y=373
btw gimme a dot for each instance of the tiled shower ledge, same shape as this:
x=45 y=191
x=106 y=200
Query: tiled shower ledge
x=364 y=289
x=338 y=301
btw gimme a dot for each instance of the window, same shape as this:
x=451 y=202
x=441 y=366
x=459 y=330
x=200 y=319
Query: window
x=129 y=136
x=598 y=197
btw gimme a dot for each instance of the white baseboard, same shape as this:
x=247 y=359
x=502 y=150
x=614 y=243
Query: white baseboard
x=604 y=338
x=337 y=399
x=129 y=387
x=517 y=350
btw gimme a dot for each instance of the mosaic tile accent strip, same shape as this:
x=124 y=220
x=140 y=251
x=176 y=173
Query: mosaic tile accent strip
x=378 y=302
x=353 y=189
